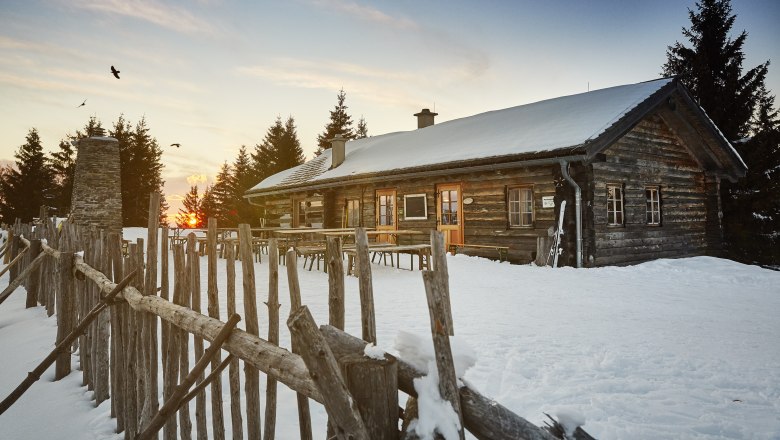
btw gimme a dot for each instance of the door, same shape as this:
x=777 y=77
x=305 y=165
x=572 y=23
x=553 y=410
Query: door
x=449 y=213
x=386 y=219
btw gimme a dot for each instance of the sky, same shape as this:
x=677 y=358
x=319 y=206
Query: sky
x=213 y=75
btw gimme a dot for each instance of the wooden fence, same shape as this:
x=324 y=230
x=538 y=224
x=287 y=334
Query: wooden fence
x=115 y=301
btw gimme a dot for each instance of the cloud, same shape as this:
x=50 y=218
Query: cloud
x=195 y=179
x=367 y=13
x=169 y=17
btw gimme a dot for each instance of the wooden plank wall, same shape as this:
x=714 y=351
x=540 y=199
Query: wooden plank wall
x=650 y=154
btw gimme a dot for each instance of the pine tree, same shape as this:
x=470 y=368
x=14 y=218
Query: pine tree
x=290 y=153
x=24 y=188
x=340 y=123
x=242 y=179
x=712 y=68
x=189 y=214
x=208 y=206
x=266 y=154
x=222 y=195
x=362 y=129
x=141 y=171
x=63 y=165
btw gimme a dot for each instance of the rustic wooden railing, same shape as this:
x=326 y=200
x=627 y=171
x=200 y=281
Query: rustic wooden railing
x=121 y=353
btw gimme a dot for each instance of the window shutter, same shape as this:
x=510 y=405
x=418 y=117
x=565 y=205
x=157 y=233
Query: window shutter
x=506 y=206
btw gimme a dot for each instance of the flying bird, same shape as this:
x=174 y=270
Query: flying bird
x=115 y=72
x=82 y=104
x=176 y=145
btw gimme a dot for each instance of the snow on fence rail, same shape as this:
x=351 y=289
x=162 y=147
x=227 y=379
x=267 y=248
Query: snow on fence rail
x=123 y=338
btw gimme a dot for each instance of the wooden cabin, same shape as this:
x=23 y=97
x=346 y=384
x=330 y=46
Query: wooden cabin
x=640 y=163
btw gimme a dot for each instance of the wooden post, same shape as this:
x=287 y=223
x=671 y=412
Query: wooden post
x=170 y=406
x=439 y=254
x=171 y=376
x=323 y=369
x=448 y=386
x=304 y=415
x=368 y=320
x=15 y=256
x=335 y=264
x=542 y=250
x=180 y=342
x=217 y=417
x=194 y=275
x=252 y=376
x=150 y=337
x=102 y=331
x=33 y=279
x=269 y=432
x=118 y=335
x=164 y=294
x=236 y=420
x=373 y=384
x=66 y=312
x=12 y=264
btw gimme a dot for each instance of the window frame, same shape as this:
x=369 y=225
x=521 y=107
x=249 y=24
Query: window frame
x=347 y=217
x=649 y=202
x=425 y=207
x=520 y=202
x=392 y=213
x=622 y=210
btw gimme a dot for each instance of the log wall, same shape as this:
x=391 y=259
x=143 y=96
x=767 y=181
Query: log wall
x=649 y=155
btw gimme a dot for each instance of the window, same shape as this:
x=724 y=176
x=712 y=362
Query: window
x=299 y=213
x=386 y=208
x=653 y=197
x=352 y=213
x=415 y=207
x=615 y=205
x=449 y=206
x=521 y=206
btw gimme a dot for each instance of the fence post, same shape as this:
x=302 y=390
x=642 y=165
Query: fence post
x=234 y=374
x=217 y=418
x=373 y=384
x=368 y=320
x=149 y=320
x=193 y=256
x=102 y=325
x=33 y=279
x=66 y=312
x=304 y=415
x=439 y=258
x=448 y=387
x=269 y=433
x=252 y=375
x=335 y=264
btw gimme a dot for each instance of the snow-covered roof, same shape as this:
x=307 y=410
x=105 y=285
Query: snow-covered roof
x=553 y=124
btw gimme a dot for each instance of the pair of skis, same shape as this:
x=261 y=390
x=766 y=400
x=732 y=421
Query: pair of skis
x=556 y=249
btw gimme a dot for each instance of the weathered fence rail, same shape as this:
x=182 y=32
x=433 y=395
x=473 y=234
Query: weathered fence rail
x=121 y=353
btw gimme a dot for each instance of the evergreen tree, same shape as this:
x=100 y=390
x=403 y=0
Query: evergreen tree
x=189 y=214
x=290 y=153
x=362 y=129
x=141 y=172
x=63 y=165
x=266 y=154
x=752 y=214
x=208 y=206
x=223 y=200
x=24 y=188
x=712 y=68
x=242 y=179
x=340 y=123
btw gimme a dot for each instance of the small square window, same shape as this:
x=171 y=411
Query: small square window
x=615 y=205
x=352 y=213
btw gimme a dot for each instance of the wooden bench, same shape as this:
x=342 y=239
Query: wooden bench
x=422 y=251
x=503 y=251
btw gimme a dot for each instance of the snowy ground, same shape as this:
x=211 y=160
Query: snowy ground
x=668 y=349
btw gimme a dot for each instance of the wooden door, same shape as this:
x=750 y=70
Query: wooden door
x=449 y=213
x=386 y=218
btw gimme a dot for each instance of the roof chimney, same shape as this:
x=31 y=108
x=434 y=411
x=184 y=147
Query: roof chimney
x=337 y=150
x=425 y=118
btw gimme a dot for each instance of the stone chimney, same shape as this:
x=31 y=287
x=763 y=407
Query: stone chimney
x=97 y=194
x=425 y=118
x=337 y=150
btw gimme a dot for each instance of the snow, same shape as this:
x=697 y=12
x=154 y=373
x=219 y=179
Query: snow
x=435 y=414
x=553 y=124
x=685 y=348
x=374 y=352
